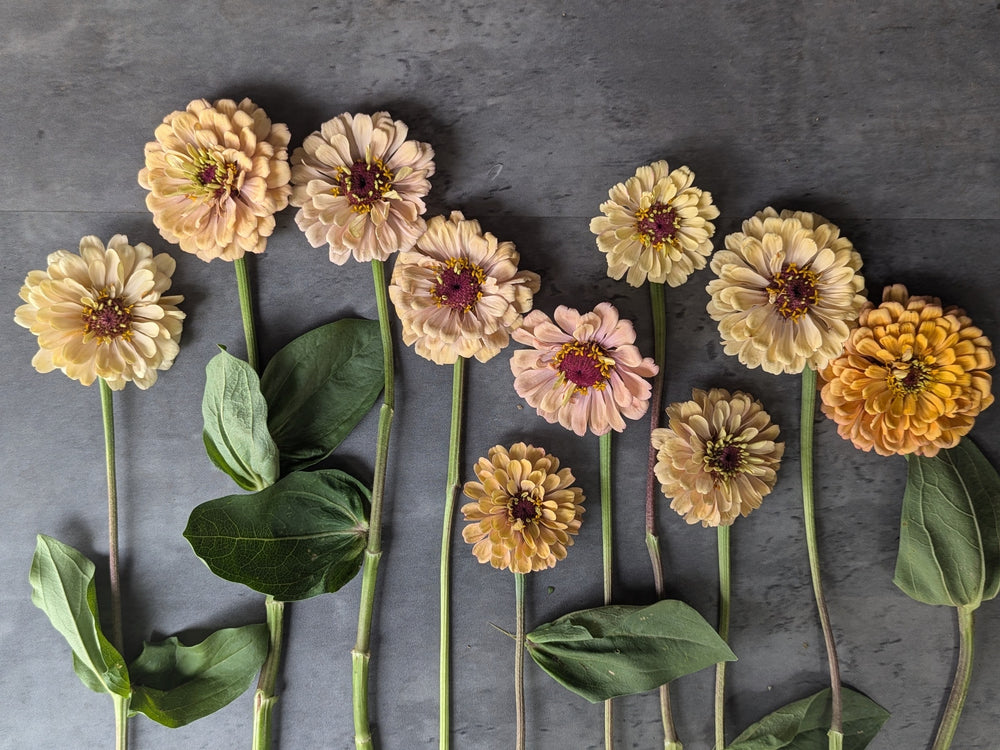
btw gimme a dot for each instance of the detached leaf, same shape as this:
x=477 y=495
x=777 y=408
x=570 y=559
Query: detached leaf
x=319 y=387
x=62 y=586
x=619 y=650
x=177 y=684
x=949 y=538
x=302 y=536
x=235 y=416
x=803 y=725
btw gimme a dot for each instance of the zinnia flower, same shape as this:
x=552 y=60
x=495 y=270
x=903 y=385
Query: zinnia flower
x=718 y=457
x=912 y=377
x=787 y=293
x=526 y=510
x=656 y=225
x=458 y=292
x=102 y=313
x=584 y=371
x=217 y=173
x=360 y=185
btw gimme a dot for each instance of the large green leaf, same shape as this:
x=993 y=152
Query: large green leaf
x=235 y=416
x=949 y=538
x=319 y=387
x=618 y=650
x=300 y=537
x=62 y=586
x=177 y=684
x=803 y=725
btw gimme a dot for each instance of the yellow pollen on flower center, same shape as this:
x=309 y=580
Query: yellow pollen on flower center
x=109 y=318
x=909 y=377
x=523 y=509
x=793 y=291
x=459 y=284
x=725 y=458
x=212 y=176
x=585 y=364
x=364 y=184
x=657 y=226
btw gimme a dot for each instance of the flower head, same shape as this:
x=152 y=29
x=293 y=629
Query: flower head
x=656 y=225
x=718 y=456
x=217 y=173
x=526 y=510
x=458 y=292
x=912 y=377
x=360 y=185
x=583 y=371
x=787 y=293
x=102 y=313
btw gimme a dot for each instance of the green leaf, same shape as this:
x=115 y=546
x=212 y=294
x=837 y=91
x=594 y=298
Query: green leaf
x=619 y=650
x=318 y=388
x=303 y=536
x=235 y=416
x=177 y=684
x=62 y=586
x=803 y=725
x=949 y=538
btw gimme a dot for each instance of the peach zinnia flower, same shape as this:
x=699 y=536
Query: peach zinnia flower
x=458 y=292
x=526 y=510
x=718 y=456
x=217 y=173
x=103 y=314
x=656 y=225
x=360 y=185
x=787 y=293
x=584 y=370
x=912 y=377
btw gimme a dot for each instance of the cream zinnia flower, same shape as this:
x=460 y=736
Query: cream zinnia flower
x=526 y=510
x=360 y=185
x=787 y=293
x=584 y=370
x=217 y=173
x=102 y=313
x=718 y=456
x=656 y=225
x=458 y=292
x=912 y=377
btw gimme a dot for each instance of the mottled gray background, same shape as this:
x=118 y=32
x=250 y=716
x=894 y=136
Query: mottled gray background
x=883 y=116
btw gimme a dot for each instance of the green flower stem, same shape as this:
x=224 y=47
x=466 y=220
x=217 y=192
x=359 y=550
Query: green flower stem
x=246 y=311
x=361 y=653
x=264 y=698
x=607 y=549
x=117 y=637
x=836 y=735
x=658 y=304
x=451 y=493
x=720 y=668
x=960 y=686
x=519 y=658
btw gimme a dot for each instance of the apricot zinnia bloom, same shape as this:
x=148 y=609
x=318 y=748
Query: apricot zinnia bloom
x=656 y=225
x=217 y=173
x=912 y=377
x=458 y=292
x=526 y=510
x=584 y=370
x=102 y=313
x=360 y=185
x=787 y=293
x=718 y=456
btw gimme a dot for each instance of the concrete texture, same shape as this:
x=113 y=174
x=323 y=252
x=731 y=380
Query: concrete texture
x=881 y=116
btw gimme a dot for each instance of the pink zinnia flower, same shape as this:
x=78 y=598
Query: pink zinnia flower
x=584 y=371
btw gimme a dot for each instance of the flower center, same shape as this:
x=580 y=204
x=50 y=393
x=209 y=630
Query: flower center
x=363 y=184
x=523 y=508
x=459 y=284
x=724 y=458
x=909 y=377
x=108 y=318
x=657 y=225
x=214 y=176
x=793 y=290
x=584 y=364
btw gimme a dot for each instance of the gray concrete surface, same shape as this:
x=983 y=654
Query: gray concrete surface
x=883 y=116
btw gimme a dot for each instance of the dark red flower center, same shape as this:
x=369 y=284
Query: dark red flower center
x=215 y=177
x=459 y=284
x=585 y=364
x=523 y=508
x=108 y=318
x=793 y=291
x=657 y=225
x=725 y=458
x=910 y=377
x=364 y=184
